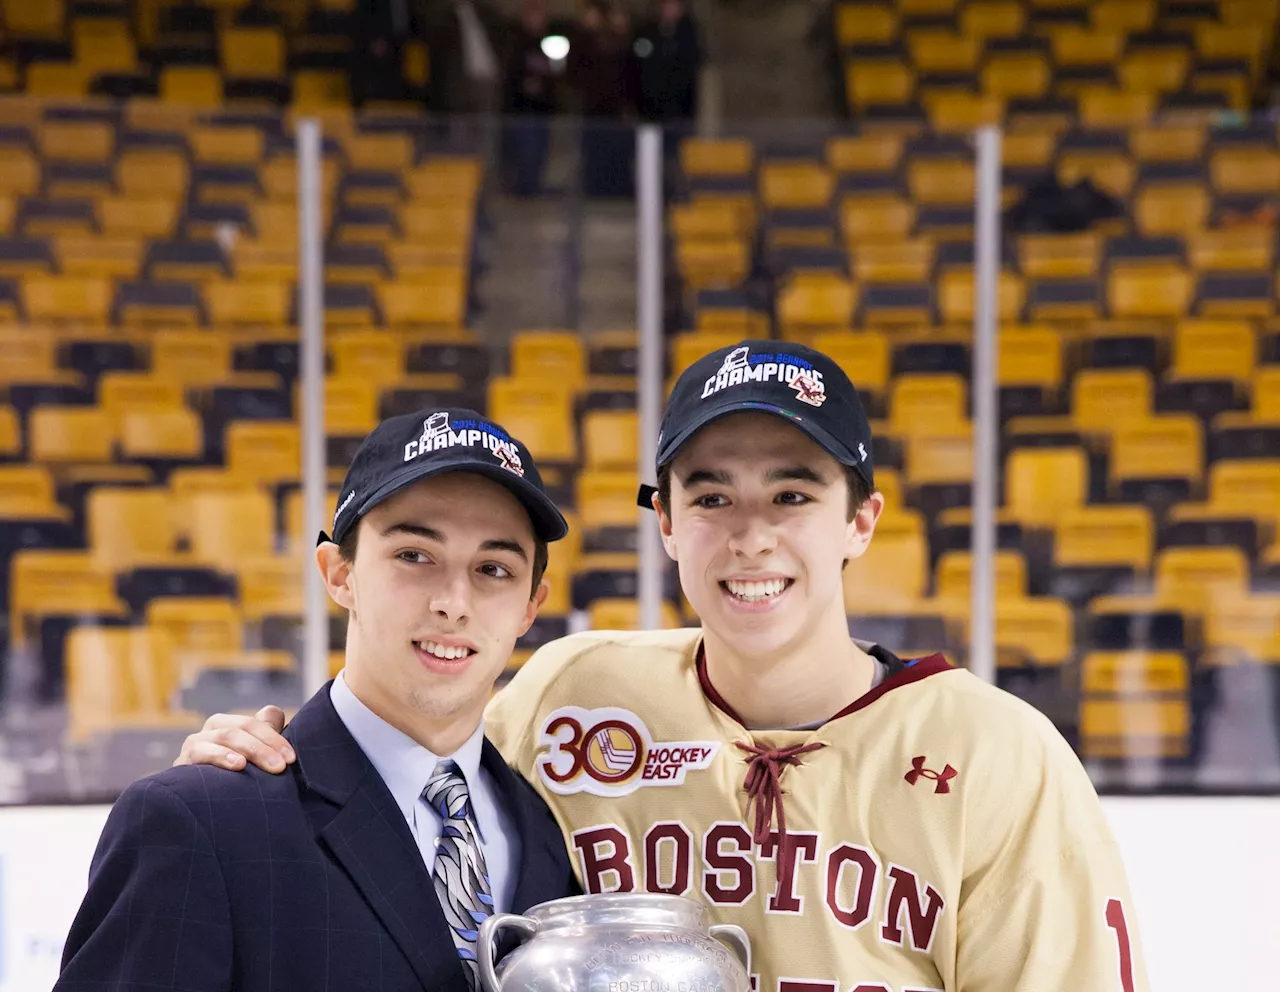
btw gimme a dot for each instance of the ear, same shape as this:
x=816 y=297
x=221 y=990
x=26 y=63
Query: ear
x=857 y=537
x=337 y=574
x=535 y=603
x=664 y=528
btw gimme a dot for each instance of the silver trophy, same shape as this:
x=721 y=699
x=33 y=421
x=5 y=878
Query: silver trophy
x=617 y=942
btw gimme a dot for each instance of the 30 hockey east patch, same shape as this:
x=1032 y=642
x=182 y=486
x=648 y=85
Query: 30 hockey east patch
x=609 y=752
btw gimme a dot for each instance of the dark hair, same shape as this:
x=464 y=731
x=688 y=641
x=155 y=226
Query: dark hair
x=351 y=540
x=859 y=491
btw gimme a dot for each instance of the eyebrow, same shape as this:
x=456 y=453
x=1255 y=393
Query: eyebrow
x=788 y=473
x=431 y=534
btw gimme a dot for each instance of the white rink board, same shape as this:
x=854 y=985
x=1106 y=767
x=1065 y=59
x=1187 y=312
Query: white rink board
x=1203 y=871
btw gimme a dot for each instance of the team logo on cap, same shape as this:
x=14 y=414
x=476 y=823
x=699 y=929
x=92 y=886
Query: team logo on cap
x=809 y=389
x=433 y=427
x=609 y=752
x=736 y=359
x=510 y=458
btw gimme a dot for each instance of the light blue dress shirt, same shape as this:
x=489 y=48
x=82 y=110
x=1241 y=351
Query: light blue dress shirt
x=406 y=766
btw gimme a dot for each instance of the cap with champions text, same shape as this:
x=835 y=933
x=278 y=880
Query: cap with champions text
x=791 y=381
x=402 y=450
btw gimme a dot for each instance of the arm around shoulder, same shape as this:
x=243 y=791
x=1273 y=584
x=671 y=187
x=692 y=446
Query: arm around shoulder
x=156 y=914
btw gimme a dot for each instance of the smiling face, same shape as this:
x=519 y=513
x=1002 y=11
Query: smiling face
x=760 y=527
x=439 y=590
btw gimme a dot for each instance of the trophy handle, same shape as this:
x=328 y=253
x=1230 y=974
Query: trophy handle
x=487 y=945
x=737 y=940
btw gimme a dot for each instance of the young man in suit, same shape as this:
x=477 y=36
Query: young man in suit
x=399 y=827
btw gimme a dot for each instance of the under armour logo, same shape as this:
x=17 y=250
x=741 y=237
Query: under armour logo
x=941 y=779
x=862 y=451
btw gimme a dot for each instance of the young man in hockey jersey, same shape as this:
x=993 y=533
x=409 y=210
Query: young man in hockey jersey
x=875 y=823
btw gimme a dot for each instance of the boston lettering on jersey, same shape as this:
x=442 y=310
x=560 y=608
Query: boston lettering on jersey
x=857 y=888
x=741 y=366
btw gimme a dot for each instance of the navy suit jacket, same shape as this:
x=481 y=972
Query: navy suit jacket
x=208 y=880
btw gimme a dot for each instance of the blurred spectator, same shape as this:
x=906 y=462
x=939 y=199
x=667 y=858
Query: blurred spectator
x=670 y=57
x=381 y=29
x=601 y=70
x=463 y=38
x=529 y=99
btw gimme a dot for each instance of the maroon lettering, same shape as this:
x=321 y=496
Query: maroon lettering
x=596 y=863
x=921 y=920
x=679 y=835
x=719 y=863
x=795 y=985
x=873 y=987
x=862 y=863
x=804 y=844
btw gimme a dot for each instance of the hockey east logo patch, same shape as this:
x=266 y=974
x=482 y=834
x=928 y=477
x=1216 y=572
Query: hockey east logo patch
x=609 y=752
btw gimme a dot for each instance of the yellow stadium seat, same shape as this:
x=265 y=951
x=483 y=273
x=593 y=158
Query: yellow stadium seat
x=1135 y=705
x=1126 y=16
x=795 y=185
x=1249 y=625
x=8 y=210
x=894 y=261
x=92 y=256
x=611 y=439
x=438 y=224
x=709 y=157
x=26 y=355
x=879 y=218
x=926 y=402
x=959 y=111
x=66 y=298
x=893 y=572
x=260 y=302
x=103 y=46
x=26 y=488
x=173 y=434
x=1167 y=143
x=872 y=82
x=1160 y=70
x=1172 y=209
x=1113 y=172
x=1227 y=42
x=1206 y=574
x=1101 y=107
x=865 y=357
x=606 y=498
x=942 y=51
x=191 y=85
x=624 y=614
x=939 y=181
x=1038 y=630
x=1149 y=289
x=1245 y=170
x=926 y=8
x=350 y=406
x=77 y=141
x=191 y=358
x=129 y=526
x=1040 y=483
x=376 y=356
x=197 y=623
x=228 y=527
x=993 y=19
x=1265 y=405
x=539 y=414
x=706 y=264
x=1074 y=45
x=953 y=575
x=1120 y=535
x=252 y=53
x=315 y=89
x=57 y=80
x=940 y=454
x=19 y=172
x=10 y=432
x=864 y=153
x=381 y=152
x=120 y=393
x=227 y=145
x=557 y=356
x=35 y=21
x=1167 y=446
x=1232 y=249
x=956 y=296
x=151 y=174
x=1059 y=256
x=816 y=300
x=858 y=24
x=271 y=585
x=267 y=451
x=705 y=220
x=1030 y=356
x=70 y=434
x=115 y=675
x=1015 y=75
x=1250 y=487
x=1207 y=349
x=44 y=583
x=1101 y=398
x=445 y=179
x=430 y=298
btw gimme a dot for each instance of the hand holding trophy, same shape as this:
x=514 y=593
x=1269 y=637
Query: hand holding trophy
x=615 y=942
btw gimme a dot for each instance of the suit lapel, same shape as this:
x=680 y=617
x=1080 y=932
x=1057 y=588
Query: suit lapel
x=542 y=849
x=369 y=837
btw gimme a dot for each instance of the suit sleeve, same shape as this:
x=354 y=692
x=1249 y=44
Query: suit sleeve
x=156 y=914
x=1052 y=908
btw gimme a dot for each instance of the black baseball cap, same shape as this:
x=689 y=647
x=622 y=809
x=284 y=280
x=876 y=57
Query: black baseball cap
x=791 y=381
x=402 y=450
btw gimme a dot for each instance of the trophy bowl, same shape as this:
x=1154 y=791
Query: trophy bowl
x=614 y=942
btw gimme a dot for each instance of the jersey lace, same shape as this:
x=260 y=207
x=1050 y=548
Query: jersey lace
x=764 y=795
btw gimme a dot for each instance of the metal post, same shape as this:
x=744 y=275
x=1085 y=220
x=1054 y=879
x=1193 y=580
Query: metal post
x=315 y=665
x=986 y=420
x=652 y=558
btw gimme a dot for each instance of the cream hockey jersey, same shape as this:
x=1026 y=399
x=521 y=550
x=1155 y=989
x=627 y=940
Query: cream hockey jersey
x=936 y=834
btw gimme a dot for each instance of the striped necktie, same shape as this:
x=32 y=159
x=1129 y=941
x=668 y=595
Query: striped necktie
x=461 y=877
